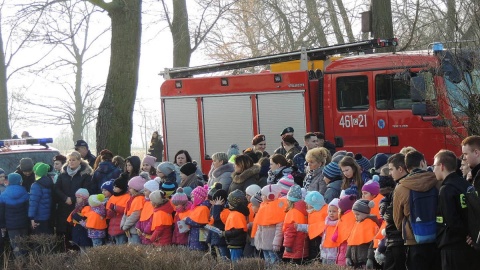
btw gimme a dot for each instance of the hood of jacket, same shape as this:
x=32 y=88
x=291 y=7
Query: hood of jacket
x=226 y=168
x=251 y=172
x=45 y=181
x=14 y=195
x=301 y=206
x=106 y=167
x=420 y=181
x=84 y=168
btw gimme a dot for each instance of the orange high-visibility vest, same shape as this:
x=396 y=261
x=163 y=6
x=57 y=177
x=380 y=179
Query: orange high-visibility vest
x=95 y=221
x=251 y=214
x=147 y=211
x=118 y=200
x=161 y=218
x=82 y=213
x=316 y=222
x=327 y=241
x=363 y=232
x=183 y=215
x=345 y=225
x=379 y=236
x=376 y=209
x=200 y=214
x=136 y=205
x=269 y=213
x=294 y=216
x=236 y=220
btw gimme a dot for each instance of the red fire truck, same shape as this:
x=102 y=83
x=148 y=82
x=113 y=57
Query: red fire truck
x=365 y=103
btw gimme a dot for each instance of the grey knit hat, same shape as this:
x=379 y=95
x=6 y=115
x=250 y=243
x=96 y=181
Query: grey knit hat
x=166 y=167
x=295 y=193
x=363 y=206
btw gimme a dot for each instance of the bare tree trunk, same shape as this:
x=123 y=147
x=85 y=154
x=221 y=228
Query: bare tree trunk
x=314 y=18
x=5 y=132
x=451 y=21
x=346 y=21
x=382 y=21
x=114 y=124
x=333 y=18
x=78 y=119
x=182 y=49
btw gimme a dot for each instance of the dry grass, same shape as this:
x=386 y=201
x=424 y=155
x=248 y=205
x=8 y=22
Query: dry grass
x=47 y=255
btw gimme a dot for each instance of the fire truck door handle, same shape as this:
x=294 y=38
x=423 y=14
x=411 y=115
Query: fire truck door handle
x=394 y=140
x=338 y=142
x=441 y=122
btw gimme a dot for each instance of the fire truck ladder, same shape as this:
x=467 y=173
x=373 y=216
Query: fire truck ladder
x=303 y=55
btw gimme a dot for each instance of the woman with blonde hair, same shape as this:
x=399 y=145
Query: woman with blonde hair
x=316 y=159
x=75 y=174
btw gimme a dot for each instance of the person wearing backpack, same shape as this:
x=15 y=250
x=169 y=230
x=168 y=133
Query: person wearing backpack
x=452 y=215
x=413 y=211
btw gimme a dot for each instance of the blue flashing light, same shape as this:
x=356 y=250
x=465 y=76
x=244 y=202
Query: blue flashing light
x=41 y=141
x=437 y=47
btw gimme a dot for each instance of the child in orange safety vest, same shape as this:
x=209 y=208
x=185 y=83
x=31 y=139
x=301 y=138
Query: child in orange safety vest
x=181 y=206
x=295 y=242
x=360 y=252
x=96 y=222
x=236 y=224
x=268 y=223
x=329 y=248
x=344 y=226
x=144 y=223
x=78 y=216
x=371 y=192
x=133 y=209
x=317 y=212
x=162 y=220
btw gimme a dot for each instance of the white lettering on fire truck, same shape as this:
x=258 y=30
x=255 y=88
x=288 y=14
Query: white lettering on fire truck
x=350 y=121
x=292 y=85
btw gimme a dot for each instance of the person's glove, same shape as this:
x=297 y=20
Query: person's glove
x=77 y=217
x=112 y=207
x=349 y=261
x=369 y=264
x=379 y=257
x=289 y=249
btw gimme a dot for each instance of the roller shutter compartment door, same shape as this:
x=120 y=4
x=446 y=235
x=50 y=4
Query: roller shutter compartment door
x=181 y=120
x=227 y=120
x=278 y=111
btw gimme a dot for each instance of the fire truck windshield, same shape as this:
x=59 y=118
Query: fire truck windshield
x=459 y=93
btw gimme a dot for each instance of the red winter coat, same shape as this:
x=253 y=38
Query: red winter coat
x=115 y=213
x=297 y=241
x=162 y=222
x=177 y=237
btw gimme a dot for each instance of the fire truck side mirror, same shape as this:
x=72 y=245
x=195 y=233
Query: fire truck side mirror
x=419 y=109
x=418 y=88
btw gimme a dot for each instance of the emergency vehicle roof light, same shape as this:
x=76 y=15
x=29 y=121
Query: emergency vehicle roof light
x=437 y=47
x=40 y=141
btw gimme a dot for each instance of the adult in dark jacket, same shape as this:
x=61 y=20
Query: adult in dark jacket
x=278 y=164
x=75 y=174
x=106 y=171
x=40 y=204
x=311 y=141
x=25 y=169
x=245 y=174
x=451 y=215
x=156 y=147
x=81 y=146
x=14 y=210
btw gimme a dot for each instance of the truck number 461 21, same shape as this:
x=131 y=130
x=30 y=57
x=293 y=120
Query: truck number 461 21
x=350 y=121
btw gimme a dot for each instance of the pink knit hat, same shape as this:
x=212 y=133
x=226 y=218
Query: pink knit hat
x=149 y=160
x=199 y=195
x=286 y=182
x=137 y=183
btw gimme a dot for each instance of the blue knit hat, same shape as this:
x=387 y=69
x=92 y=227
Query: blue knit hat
x=108 y=185
x=363 y=162
x=380 y=160
x=332 y=171
x=315 y=200
x=14 y=179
